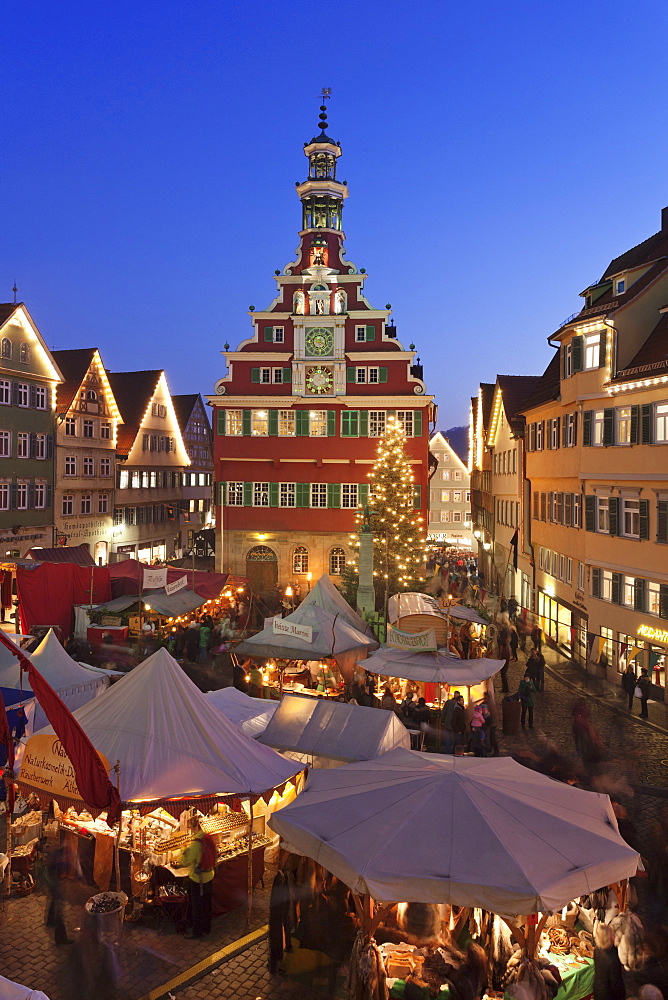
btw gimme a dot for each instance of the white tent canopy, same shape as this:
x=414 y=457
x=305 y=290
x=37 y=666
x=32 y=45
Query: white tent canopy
x=428 y=828
x=250 y=715
x=171 y=741
x=75 y=684
x=438 y=667
x=333 y=729
x=326 y=596
x=402 y=605
x=13 y=991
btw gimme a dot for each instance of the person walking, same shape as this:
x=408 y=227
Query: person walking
x=643 y=685
x=512 y=608
x=537 y=637
x=192 y=642
x=204 y=638
x=446 y=719
x=629 y=681
x=535 y=668
x=514 y=643
x=458 y=722
x=526 y=691
x=504 y=654
x=608 y=976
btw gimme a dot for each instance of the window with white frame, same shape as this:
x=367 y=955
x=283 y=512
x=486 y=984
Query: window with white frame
x=372 y=376
x=103 y=503
x=119 y=515
x=235 y=494
x=592 y=348
x=554 y=433
x=360 y=334
x=22 y=393
x=22 y=445
x=468 y=496
x=89 y=428
x=630 y=518
x=337 y=562
x=89 y=466
x=377 y=422
x=318 y=494
x=445 y=475
x=5 y=391
x=597 y=422
x=577 y=510
x=70 y=427
x=568 y=360
x=5 y=444
x=40 y=494
x=300 y=559
x=40 y=397
x=457 y=516
x=265 y=376
x=620 y=286
x=603 y=514
x=131 y=515
x=349 y=495
x=135 y=480
x=360 y=376
x=105 y=430
x=40 y=446
x=581 y=576
x=661 y=423
x=653 y=597
x=445 y=516
x=606 y=585
x=623 y=422
x=286 y=495
x=445 y=496
x=259 y=423
x=458 y=473
x=22 y=495
x=277 y=375
x=234 y=423
x=105 y=466
x=457 y=496
x=628 y=591
x=317 y=423
x=569 y=570
x=405 y=418
x=86 y=504
x=570 y=430
x=4 y=495
x=286 y=423
x=260 y=494
x=278 y=335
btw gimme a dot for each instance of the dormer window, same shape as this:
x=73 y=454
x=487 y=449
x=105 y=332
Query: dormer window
x=620 y=286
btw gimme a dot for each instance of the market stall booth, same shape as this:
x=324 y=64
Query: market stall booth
x=413 y=612
x=483 y=845
x=310 y=635
x=326 y=596
x=330 y=733
x=251 y=715
x=182 y=767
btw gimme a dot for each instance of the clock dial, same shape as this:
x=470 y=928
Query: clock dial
x=319 y=380
x=319 y=341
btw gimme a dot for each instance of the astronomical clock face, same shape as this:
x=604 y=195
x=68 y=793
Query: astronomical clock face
x=319 y=342
x=319 y=380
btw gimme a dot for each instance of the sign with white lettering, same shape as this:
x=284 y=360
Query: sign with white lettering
x=171 y=588
x=283 y=627
x=47 y=768
x=655 y=634
x=422 y=641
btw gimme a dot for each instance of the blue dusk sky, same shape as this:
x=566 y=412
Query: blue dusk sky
x=498 y=156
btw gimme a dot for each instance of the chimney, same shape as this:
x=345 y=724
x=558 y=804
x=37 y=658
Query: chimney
x=664 y=220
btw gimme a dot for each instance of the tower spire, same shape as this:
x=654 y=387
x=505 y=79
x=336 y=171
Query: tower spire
x=321 y=194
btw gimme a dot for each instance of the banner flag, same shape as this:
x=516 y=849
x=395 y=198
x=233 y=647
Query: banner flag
x=171 y=588
x=154 y=578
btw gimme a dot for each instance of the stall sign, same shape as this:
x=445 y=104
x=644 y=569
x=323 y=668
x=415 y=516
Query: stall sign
x=110 y=620
x=424 y=641
x=171 y=588
x=47 y=767
x=304 y=632
x=154 y=579
x=655 y=634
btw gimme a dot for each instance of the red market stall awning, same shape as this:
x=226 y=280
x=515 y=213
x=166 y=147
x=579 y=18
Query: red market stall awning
x=127 y=576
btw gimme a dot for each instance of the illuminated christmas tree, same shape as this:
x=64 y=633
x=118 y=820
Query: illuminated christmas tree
x=398 y=530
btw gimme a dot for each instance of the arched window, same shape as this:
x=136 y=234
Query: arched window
x=92 y=395
x=337 y=562
x=24 y=354
x=300 y=559
x=6 y=348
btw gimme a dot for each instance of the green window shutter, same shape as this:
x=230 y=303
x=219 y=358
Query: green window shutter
x=302 y=423
x=287 y=375
x=382 y=374
x=562 y=362
x=590 y=513
x=303 y=491
x=587 y=417
x=639 y=591
x=603 y=349
x=351 y=375
x=350 y=423
x=417 y=496
x=663 y=600
x=221 y=421
x=255 y=374
x=576 y=353
x=245 y=422
x=269 y=334
x=417 y=423
x=370 y=333
x=616 y=588
x=644 y=519
x=364 y=423
x=362 y=494
x=248 y=494
x=273 y=494
x=222 y=494
x=333 y=494
x=635 y=413
x=646 y=424
x=595 y=582
x=331 y=423
x=613 y=507
x=608 y=427
x=662 y=521
x=273 y=422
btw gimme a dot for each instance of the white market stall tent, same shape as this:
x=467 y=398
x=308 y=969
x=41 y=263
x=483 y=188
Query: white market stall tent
x=13 y=991
x=75 y=684
x=333 y=730
x=326 y=596
x=250 y=715
x=426 y=828
x=172 y=742
x=415 y=612
x=432 y=667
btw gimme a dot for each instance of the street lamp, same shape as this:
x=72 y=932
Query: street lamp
x=309 y=577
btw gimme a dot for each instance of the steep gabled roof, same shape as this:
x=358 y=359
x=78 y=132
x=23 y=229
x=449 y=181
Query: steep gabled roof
x=654 y=248
x=547 y=387
x=652 y=358
x=133 y=392
x=515 y=391
x=183 y=407
x=6 y=310
x=73 y=365
x=487 y=395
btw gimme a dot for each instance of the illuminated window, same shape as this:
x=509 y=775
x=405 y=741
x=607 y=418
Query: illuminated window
x=349 y=495
x=300 y=560
x=598 y=420
x=235 y=494
x=318 y=494
x=24 y=354
x=6 y=348
x=377 y=423
x=631 y=518
x=337 y=562
x=661 y=423
x=592 y=350
x=287 y=495
x=286 y=423
x=259 y=423
x=234 y=423
x=317 y=426
x=260 y=494
x=623 y=431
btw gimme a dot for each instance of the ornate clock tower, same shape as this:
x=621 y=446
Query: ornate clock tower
x=305 y=399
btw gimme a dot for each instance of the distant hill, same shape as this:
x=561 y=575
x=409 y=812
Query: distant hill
x=459 y=441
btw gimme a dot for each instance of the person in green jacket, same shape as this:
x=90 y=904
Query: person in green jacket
x=526 y=691
x=199 y=888
x=204 y=637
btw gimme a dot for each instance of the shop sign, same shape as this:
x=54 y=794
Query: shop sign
x=424 y=641
x=47 y=767
x=171 y=588
x=303 y=632
x=110 y=620
x=655 y=634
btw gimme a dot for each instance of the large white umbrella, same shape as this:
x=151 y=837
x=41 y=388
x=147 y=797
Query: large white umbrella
x=470 y=831
x=437 y=668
